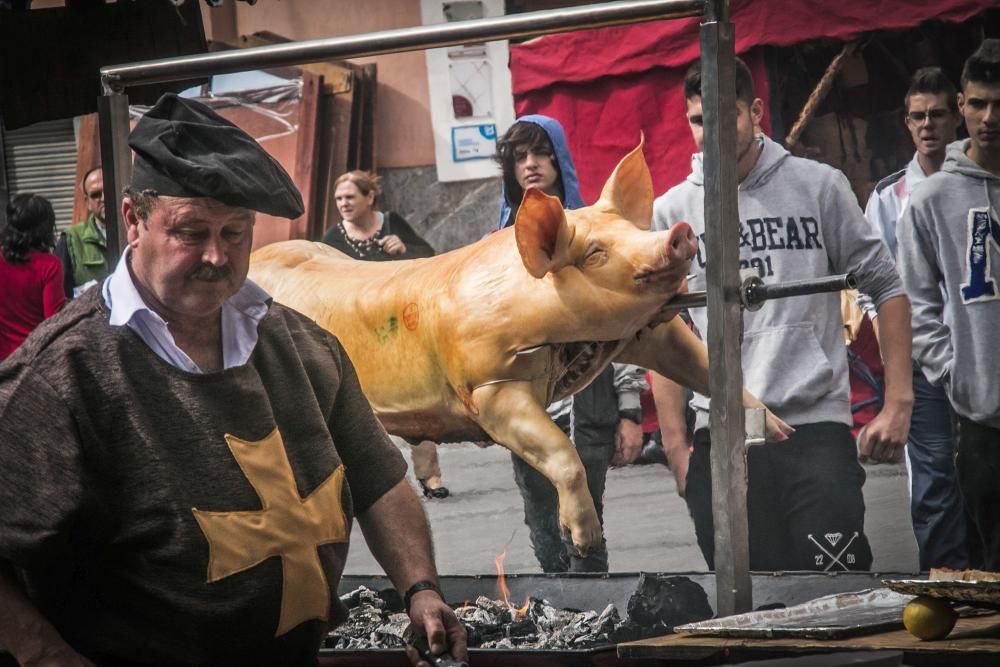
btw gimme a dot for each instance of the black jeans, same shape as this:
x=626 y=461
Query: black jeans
x=555 y=552
x=805 y=507
x=978 y=467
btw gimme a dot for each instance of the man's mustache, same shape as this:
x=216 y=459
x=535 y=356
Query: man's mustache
x=211 y=273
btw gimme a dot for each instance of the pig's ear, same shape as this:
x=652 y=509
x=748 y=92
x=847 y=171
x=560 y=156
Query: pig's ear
x=629 y=190
x=542 y=233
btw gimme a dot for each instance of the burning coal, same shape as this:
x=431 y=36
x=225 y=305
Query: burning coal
x=659 y=603
x=374 y=622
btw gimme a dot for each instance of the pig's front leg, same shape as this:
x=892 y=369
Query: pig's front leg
x=674 y=351
x=512 y=415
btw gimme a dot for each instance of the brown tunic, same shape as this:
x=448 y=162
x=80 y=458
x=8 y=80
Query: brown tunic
x=106 y=451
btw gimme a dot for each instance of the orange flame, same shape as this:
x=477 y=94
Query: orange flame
x=523 y=611
x=501 y=580
x=505 y=592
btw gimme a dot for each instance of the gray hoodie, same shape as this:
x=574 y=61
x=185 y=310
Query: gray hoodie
x=949 y=239
x=798 y=219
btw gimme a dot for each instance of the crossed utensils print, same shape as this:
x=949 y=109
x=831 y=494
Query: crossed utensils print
x=834 y=538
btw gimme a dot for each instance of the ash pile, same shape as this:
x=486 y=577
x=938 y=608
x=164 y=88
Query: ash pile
x=376 y=619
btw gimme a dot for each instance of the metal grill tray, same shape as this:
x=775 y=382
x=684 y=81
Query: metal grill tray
x=829 y=617
x=981 y=593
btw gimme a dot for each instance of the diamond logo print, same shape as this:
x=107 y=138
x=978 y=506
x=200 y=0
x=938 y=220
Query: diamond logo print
x=833 y=538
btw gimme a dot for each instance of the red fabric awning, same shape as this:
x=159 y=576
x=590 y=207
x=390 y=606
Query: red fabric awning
x=606 y=85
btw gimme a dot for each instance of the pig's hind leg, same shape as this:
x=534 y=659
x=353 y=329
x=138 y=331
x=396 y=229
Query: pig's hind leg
x=511 y=413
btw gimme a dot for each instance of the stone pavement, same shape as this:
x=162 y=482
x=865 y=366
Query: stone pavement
x=646 y=523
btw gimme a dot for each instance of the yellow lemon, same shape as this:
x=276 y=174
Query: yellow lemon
x=929 y=618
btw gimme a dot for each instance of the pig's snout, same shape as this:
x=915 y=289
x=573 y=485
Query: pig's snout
x=682 y=244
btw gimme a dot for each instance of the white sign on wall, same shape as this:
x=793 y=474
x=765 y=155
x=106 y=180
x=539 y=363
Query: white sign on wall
x=470 y=93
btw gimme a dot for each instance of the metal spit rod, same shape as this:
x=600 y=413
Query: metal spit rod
x=754 y=292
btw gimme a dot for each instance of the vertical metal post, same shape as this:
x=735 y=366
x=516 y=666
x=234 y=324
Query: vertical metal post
x=4 y=193
x=725 y=318
x=116 y=160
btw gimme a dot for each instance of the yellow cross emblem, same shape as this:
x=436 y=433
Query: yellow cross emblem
x=287 y=526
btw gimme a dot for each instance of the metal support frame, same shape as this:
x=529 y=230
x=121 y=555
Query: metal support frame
x=116 y=159
x=721 y=214
x=115 y=79
x=4 y=193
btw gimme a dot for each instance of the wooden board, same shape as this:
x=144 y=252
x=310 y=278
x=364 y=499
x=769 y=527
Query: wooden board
x=979 y=634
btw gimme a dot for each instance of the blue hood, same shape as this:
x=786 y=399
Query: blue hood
x=567 y=170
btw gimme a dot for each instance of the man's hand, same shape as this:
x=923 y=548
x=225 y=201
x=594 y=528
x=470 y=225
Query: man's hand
x=775 y=428
x=392 y=245
x=883 y=439
x=397 y=533
x=430 y=616
x=628 y=442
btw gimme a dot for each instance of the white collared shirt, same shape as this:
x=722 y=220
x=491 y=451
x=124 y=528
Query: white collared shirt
x=241 y=314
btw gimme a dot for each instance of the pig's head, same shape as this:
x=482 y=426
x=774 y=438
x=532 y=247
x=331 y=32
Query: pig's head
x=610 y=271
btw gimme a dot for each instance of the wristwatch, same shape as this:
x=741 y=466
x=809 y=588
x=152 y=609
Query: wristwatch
x=422 y=585
x=632 y=414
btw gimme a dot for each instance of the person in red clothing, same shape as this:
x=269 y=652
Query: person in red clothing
x=31 y=275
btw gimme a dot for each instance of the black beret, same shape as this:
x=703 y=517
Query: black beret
x=184 y=149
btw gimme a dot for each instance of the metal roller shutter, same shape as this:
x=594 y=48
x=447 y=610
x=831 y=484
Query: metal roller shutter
x=41 y=159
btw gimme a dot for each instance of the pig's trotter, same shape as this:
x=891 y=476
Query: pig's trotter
x=578 y=517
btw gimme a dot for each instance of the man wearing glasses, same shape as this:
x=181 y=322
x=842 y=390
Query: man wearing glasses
x=81 y=247
x=935 y=502
x=949 y=237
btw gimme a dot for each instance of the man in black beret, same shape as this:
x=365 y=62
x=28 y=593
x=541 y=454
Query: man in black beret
x=181 y=459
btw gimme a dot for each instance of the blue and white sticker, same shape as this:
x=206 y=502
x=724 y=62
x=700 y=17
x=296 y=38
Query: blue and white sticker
x=473 y=142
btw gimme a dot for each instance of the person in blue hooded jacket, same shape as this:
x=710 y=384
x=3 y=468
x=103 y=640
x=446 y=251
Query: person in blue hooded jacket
x=603 y=420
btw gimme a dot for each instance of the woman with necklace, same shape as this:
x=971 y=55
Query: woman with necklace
x=366 y=233
x=369 y=234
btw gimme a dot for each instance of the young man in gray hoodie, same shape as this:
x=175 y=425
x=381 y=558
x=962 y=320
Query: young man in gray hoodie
x=949 y=238
x=798 y=219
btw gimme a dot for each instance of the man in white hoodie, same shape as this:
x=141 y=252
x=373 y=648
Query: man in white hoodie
x=949 y=237
x=932 y=118
x=798 y=219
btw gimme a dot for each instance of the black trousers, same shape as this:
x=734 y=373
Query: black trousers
x=554 y=550
x=805 y=506
x=978 y=465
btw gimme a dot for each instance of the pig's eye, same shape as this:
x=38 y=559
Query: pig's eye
x=596 y=256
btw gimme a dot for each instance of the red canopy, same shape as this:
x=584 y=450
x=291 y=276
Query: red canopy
x=606 y=85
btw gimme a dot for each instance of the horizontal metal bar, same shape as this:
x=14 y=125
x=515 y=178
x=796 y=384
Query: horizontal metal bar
x=530 y=24
x=758 y=293
x=697 y=299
